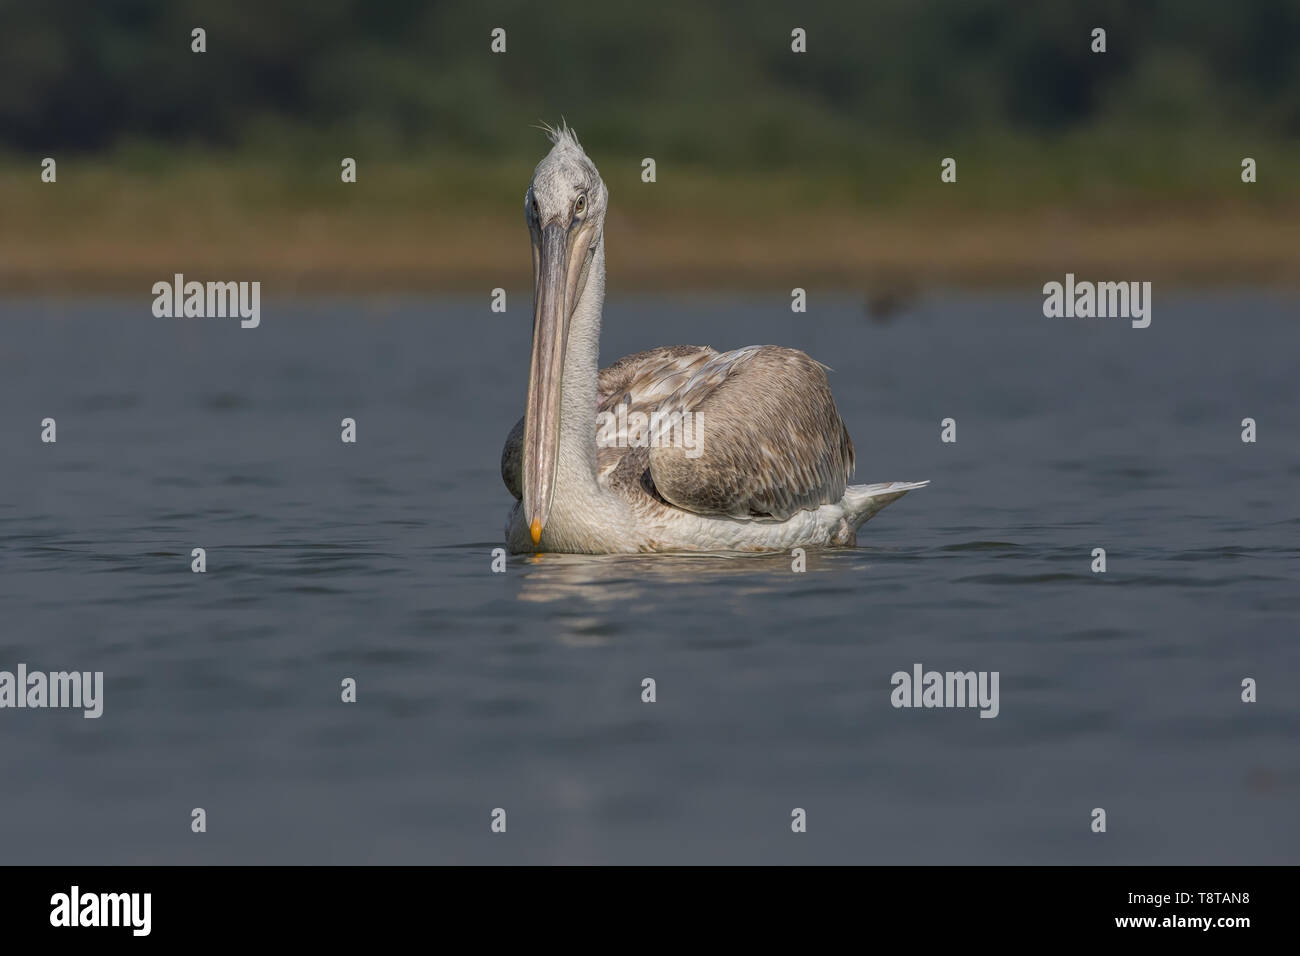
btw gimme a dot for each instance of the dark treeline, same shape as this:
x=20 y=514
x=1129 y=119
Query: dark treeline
x=706 y=81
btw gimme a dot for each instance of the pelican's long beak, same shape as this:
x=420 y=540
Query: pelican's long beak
x=542 y=414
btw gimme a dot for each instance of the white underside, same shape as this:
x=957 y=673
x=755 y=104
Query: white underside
x=609 y=525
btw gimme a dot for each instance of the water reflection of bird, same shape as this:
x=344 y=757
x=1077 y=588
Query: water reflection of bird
x=586 y=596
x=744 y=450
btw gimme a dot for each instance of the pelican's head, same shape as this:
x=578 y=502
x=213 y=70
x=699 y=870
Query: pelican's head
x=565 y=208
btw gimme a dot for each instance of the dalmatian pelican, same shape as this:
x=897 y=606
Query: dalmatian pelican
x=743 y=450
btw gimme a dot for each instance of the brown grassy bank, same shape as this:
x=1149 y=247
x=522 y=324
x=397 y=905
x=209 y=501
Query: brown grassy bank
x=458 y=227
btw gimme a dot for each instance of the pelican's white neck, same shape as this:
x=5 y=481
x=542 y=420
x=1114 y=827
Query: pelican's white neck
x=577 y=458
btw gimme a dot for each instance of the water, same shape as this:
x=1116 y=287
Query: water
x=522 y=690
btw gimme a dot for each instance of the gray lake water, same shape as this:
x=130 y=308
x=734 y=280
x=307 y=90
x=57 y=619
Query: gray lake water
x=522 y=690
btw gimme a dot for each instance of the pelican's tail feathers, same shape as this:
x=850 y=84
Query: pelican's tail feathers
x=863 y=501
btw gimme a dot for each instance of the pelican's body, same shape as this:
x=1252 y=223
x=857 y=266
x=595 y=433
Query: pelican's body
x=745 y=451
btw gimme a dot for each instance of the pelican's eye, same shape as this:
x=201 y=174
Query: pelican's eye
x=535 y=212
x=580 y=206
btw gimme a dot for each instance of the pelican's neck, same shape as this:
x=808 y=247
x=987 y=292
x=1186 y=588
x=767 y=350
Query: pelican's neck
x=577 y=458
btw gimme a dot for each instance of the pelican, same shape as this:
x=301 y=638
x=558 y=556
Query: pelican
x=744 y=450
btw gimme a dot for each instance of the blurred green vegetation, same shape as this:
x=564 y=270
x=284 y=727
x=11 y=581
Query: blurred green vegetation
x=246 y=138
x=699 y=84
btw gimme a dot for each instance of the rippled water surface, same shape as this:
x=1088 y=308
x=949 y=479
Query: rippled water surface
x=523 y=690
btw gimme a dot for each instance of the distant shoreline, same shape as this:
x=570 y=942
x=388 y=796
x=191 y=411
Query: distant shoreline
x=111 y=227
x=302 y=258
